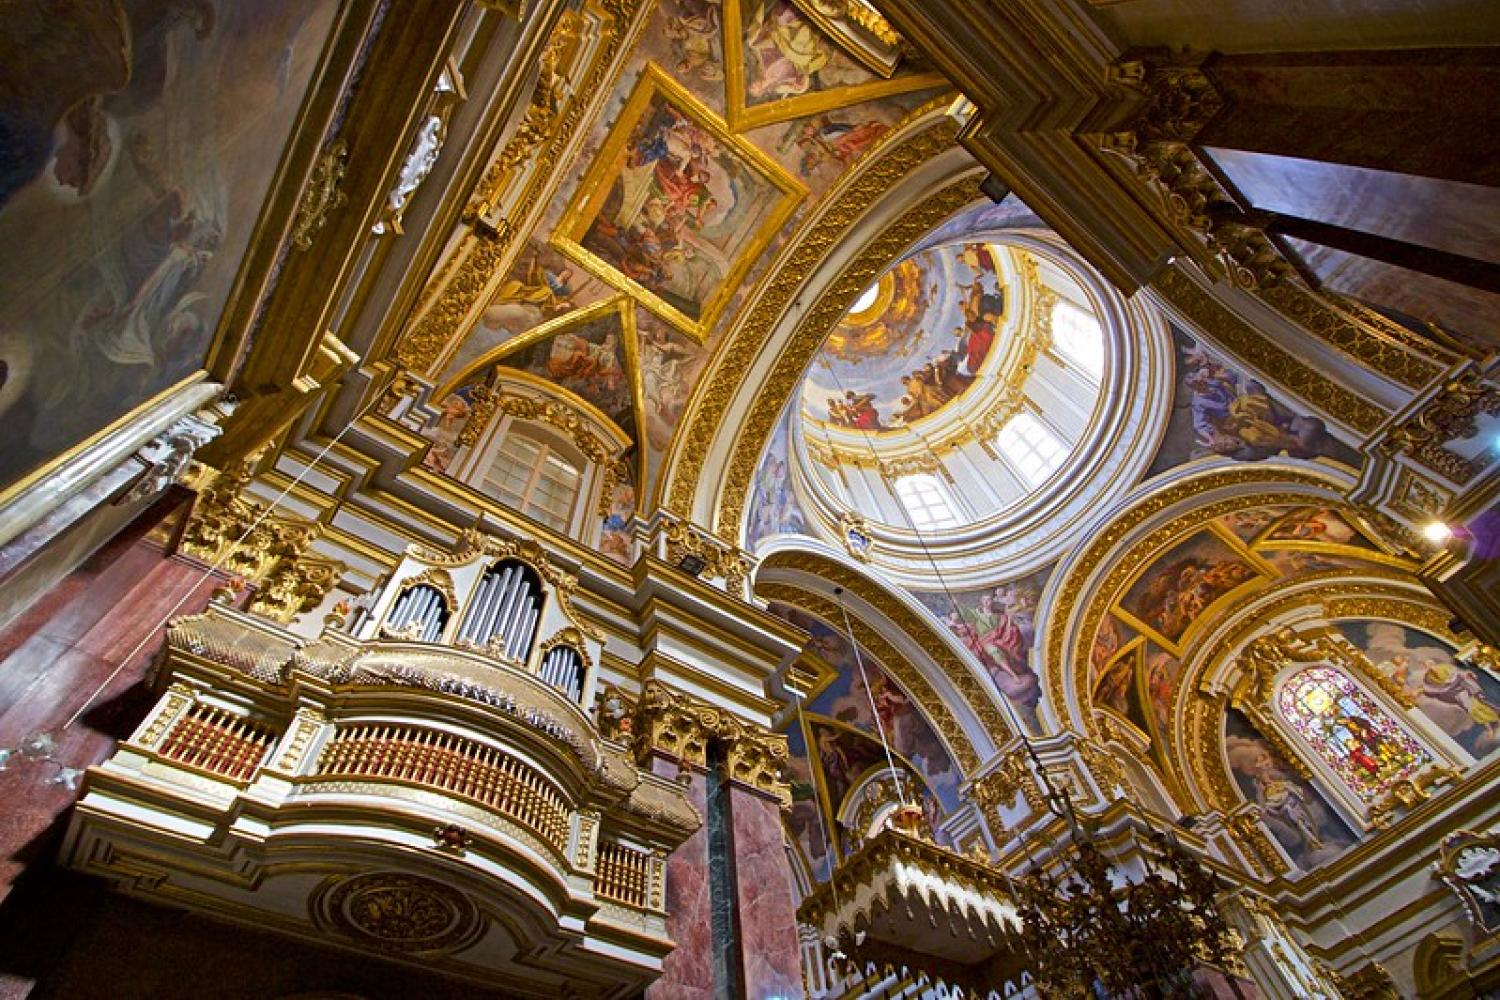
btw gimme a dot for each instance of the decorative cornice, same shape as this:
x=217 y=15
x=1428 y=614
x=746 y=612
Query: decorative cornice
x=1450 y=414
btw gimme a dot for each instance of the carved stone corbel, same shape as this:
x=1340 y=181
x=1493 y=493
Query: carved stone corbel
x=1011 y=776
x=680 y=726
x=1450 y=414
x=720 y=561
x=168 y=455
x=236 y=534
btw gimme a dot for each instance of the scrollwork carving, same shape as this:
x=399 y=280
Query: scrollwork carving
x=322 y=195
x=1451 y=414
x=681 y=726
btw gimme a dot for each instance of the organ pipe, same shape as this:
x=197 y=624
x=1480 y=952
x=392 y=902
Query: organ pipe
x=563 y=669
x=506 y=606
x=528 y=628
x=422 y=604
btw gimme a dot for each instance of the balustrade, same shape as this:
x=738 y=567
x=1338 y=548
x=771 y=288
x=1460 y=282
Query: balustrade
x=218 y=741
x=625 y=875
x=456 y=765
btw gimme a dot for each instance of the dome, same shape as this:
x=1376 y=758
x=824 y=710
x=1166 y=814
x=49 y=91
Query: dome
x=966 y=402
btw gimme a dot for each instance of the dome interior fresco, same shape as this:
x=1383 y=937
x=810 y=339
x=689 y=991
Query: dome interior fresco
x=913 y=344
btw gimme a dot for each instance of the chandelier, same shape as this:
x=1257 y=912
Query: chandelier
x=1085 y=933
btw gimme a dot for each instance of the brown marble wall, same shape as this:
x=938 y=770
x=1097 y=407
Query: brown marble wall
x=1423 y=112
x=56 y=654
x=687 y=973
x=768 y=909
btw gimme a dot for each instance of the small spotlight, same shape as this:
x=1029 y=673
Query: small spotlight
x=691 y=565
x=1437 y=532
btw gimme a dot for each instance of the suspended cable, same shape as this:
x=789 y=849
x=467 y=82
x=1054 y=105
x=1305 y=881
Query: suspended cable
x=223 y=556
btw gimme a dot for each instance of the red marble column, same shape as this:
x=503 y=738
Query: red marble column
x=768 y=908
x=688 y=972
x=55 y=656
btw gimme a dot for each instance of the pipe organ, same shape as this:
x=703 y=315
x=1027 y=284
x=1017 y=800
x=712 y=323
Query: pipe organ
x=562 y=667
x=422 y=610
x=503 y=613
x=508 y=600
x=466 y=810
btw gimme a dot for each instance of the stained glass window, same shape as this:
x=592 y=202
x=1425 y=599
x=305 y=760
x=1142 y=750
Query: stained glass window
x=1367 y=748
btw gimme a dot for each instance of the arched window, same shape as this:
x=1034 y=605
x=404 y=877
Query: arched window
x=531 y=474
x=1034 y=450
x=1354 y=736
x=926 y=502
x=1078 y=338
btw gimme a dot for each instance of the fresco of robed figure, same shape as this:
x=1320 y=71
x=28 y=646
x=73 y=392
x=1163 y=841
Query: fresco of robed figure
x=139 y=142
x=675 y=209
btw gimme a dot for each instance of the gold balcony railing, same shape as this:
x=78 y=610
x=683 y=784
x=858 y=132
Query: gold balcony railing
x=626 y=875
x=451 y=764
x=217 y=741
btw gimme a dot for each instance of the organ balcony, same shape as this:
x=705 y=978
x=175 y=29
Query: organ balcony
x=429 y=788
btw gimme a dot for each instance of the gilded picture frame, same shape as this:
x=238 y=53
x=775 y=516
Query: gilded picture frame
x=743 y=116
x=589 y=199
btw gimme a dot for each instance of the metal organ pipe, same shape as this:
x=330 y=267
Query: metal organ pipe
x=434 y=619
x=503 y=583
x=398 y=612
x=473 y=619
x=508 y=603
x=562 y=668
x=528 y=627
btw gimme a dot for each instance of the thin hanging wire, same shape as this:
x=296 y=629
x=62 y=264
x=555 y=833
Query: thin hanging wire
x=859 y=661
x=1010 y=710
x=148 y=636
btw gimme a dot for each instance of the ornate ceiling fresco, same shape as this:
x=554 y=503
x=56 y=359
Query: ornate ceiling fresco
x=913 y=343
x=721 y=127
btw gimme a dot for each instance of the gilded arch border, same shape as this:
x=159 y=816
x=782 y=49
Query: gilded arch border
x=694 y=437
x=975 y=699
x=1078 y=598
x=1200 y=757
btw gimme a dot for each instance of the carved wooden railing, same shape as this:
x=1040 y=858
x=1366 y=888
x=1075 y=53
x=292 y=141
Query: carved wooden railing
x=218 y=741
x=455 y=765
x=626 y=875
